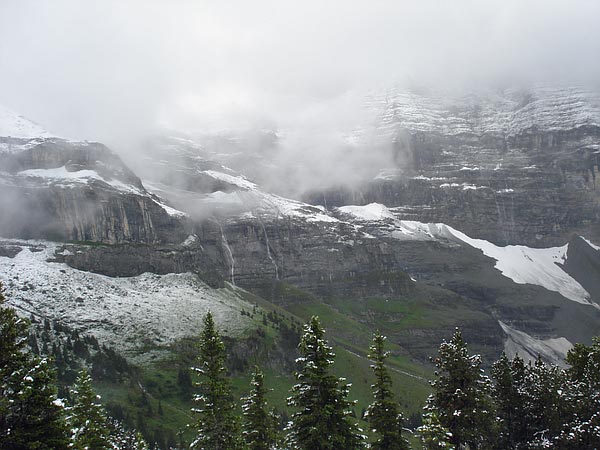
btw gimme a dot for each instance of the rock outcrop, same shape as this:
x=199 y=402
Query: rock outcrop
x=78 y=191
x=515 y=168
x=512 y=167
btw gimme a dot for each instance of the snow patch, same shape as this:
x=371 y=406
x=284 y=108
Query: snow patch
x=526 y=265
x=372 y=211
x=252 y=202
x=190 y=240
x=14 y=125
x=239 y=180
x=169 y=210
x=121 y=312
x=595 y=247
x=523 y=265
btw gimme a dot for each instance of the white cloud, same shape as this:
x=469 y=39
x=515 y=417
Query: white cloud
x=112 y=70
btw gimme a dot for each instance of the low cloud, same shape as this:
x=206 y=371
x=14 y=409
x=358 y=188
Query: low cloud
x=117 y=71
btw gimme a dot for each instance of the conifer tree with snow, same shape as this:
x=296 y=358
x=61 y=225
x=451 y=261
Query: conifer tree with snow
x=31 y=417
x=12 y=355
x=509 y=396
x=87 y=419
x=217 y=425
x=434 y=436
x=583 y=394
x=383 y=415
x=123 y=439
x=322 y=418
x=461 y=398
x=546 y=404
x=36 y=416
x=258 y=423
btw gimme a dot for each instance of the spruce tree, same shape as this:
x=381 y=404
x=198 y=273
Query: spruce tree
x=36 y=416
x=31 y=417
x=12 y=353
x=461 y=398
x=87 y=419
x=258 y=423
x=545 y=402
x=217 y=425
x=123 y=439
x=383 y=415
x=434 y=436
x=322 y=420
x=583 y=394
x=509 y=396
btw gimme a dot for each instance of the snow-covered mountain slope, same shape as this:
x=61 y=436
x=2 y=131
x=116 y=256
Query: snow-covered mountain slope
x=287 y=251
x=182 y=171
x=16 y=126
x=60 y=189
x=73 y=179
x=523 y=265
x=223 y=193
x=30 y=152
x=480 y=161
x=507 y=112
x=250 y=199
x=122 y=312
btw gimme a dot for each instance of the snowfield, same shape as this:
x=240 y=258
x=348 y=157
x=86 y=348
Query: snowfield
x=148 y=310
x=523 y=265
x=372 y=211
x=14 y=125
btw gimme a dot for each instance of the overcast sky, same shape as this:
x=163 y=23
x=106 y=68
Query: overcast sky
x=112 y=69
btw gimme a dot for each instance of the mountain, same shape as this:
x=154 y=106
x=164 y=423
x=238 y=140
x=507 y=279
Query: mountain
x=488 y=220
x=66 y=190
x=512 y=166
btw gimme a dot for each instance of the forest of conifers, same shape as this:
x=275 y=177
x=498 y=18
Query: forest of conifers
x=514 y=405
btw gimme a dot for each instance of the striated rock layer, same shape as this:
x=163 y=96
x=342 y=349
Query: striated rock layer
x=73 y=191
x=510 y=166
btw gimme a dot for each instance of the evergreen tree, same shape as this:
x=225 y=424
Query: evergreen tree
x=461 y=398
x=122 y=439
x=383 y=414
x=31 y=417
x=545 y=402
x=509 y=396
x=87 y=419
x=434 y=435
x=36 y=416
x=583 y=393
x=217 y=425
x=12 y=352
x=322 y=420
x=258 y=423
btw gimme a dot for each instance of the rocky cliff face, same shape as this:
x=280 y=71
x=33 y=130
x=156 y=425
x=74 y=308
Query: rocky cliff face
x=415 y=282
x=471 y=173
x=513 y=166
x=62 y=190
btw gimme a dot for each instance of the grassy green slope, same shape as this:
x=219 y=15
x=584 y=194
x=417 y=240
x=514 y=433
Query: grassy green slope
x=159 y=403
